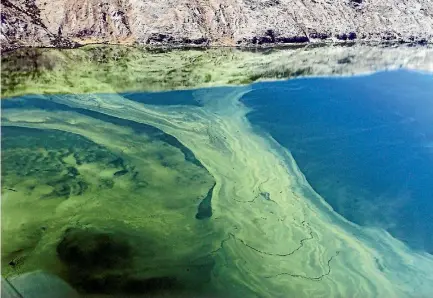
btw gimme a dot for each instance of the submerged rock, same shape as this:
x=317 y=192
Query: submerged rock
x=35 y=284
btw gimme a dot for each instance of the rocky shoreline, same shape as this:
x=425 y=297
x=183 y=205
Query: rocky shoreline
x=200 y=23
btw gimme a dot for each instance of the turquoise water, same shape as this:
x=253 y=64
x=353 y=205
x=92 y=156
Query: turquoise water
x=364 y=143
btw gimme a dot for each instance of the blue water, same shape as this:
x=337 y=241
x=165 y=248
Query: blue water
x=364 y=143
x=178 y=97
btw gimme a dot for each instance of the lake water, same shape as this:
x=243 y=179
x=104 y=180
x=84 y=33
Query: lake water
x=364 y=143
x=311 y=187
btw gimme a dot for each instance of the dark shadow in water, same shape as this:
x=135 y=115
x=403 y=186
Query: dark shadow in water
x=205 y=207
x=178 y=97
x=101 y=262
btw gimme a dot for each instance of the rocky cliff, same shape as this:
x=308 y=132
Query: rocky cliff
x=66 y=23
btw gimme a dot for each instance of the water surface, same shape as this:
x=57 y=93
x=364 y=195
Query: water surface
x=208 y=191
x=364 y=144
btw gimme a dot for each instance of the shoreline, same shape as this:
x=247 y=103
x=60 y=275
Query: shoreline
x=246 y=47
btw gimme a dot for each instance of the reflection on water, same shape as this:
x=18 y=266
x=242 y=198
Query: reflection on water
x=198 y=192
x=102 y=69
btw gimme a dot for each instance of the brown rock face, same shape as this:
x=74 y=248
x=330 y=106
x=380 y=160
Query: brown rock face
x=212 y=22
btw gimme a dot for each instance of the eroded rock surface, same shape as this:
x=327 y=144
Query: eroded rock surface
x=65 y=23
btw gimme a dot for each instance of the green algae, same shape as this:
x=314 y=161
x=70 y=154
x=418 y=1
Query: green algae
x=105 y=218
x=117 y=213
